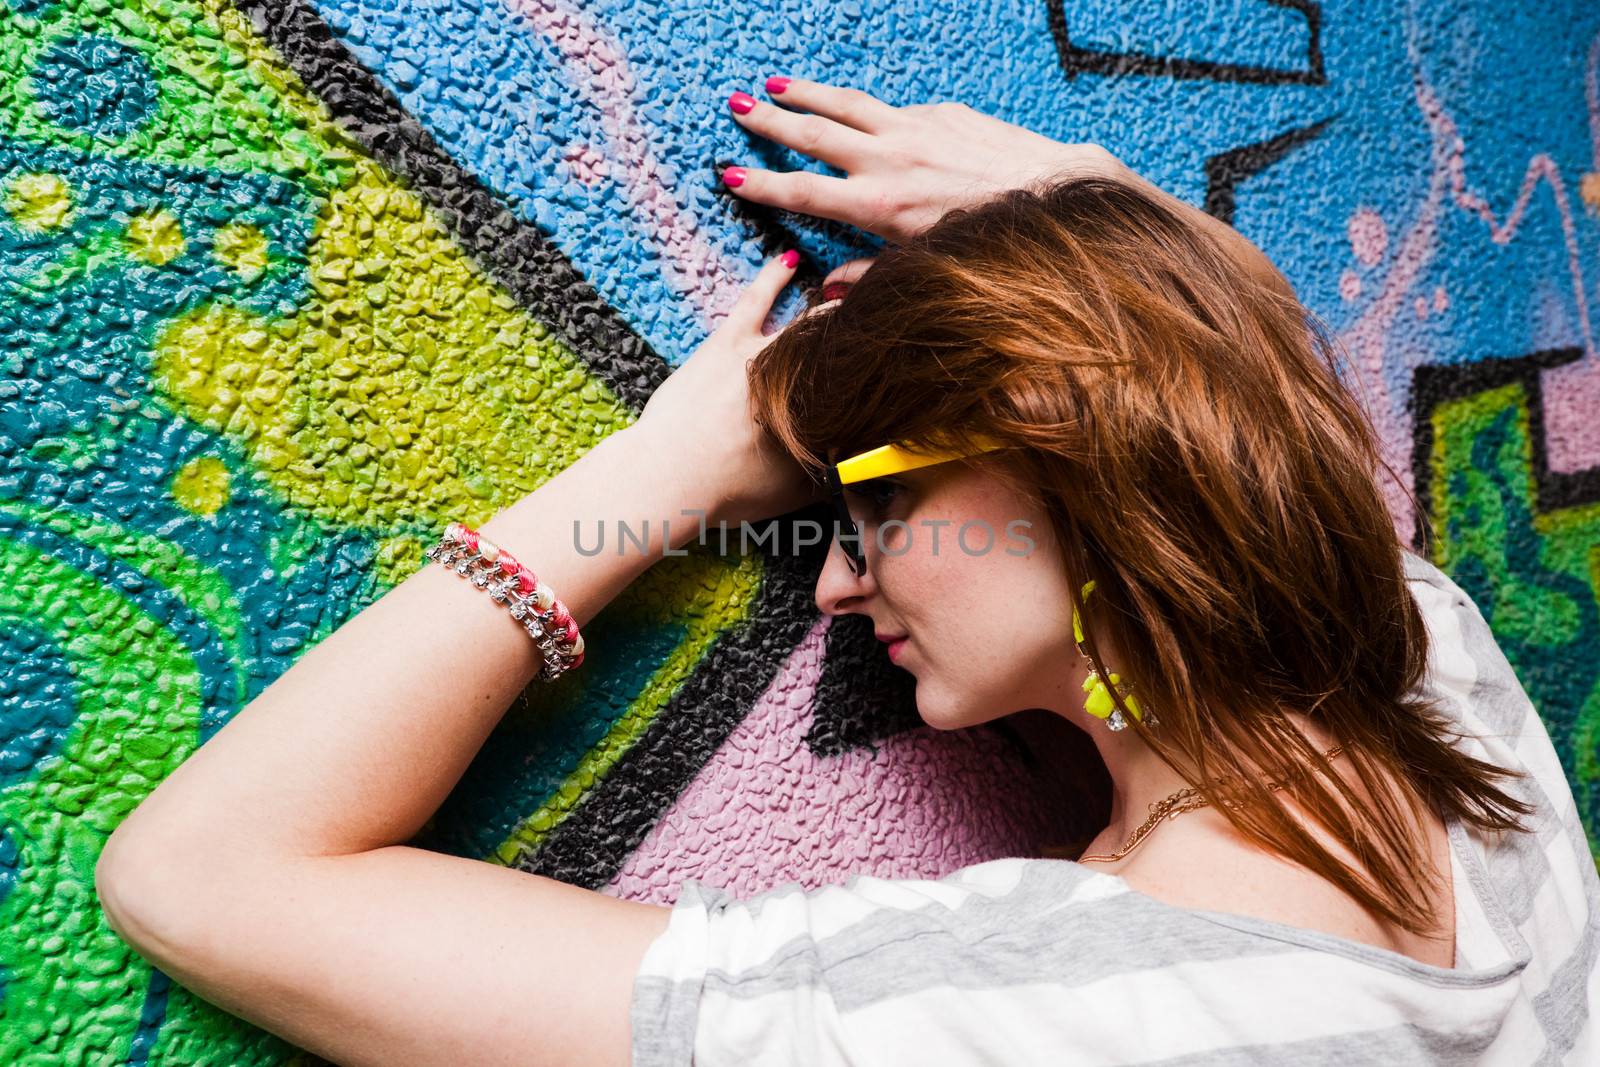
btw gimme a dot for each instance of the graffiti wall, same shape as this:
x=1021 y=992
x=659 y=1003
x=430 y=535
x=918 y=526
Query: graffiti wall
x=288 y=285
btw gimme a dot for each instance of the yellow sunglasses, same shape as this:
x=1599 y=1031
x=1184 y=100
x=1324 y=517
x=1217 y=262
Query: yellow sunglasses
x=881 y=462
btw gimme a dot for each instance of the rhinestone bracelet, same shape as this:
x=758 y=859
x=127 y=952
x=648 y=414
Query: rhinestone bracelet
x=532 y=603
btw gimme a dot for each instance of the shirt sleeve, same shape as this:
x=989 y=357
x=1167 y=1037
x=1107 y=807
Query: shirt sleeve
x=782 y=977
x=750 y=970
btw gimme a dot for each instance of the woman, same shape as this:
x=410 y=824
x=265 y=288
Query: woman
x=1333 y=829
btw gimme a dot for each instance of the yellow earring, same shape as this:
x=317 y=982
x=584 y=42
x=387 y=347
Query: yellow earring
x=1098 y=700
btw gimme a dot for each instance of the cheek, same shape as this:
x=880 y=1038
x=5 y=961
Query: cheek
x=975 y=568
x=989 y=621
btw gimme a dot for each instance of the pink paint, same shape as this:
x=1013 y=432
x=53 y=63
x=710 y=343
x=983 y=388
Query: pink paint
x=1441 y=299
x=595 y=62
x=765 y=811
x=1568 y=426
x=1572 y=415
x=1368 y=338
x=1421 y=306
x=1349 y=286
x=586 y=164
x=1369 y=236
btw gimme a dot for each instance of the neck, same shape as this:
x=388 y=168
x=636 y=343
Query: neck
x=1139 y=779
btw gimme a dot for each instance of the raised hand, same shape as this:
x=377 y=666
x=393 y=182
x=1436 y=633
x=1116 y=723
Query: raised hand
x=701 y=415
x=905 y=166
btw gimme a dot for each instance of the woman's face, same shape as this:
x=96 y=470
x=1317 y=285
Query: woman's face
x=967 y=570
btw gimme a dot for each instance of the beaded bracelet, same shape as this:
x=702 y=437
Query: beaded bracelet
x=531 y=602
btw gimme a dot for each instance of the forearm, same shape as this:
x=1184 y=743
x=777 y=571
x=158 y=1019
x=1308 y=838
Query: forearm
x=357 y=744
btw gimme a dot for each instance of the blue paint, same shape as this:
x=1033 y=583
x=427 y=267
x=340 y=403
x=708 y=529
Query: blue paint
x=97 y=85
x=525 y=760
x=38 y=701
x=82 y=323
x=502 y=102
x=152 y=1014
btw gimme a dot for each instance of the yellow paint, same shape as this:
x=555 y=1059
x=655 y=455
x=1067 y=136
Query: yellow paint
x=39 y=201
x=397 y=559
x=409 y=387
x=155 y=237
x=202 y=486
x=242 y=248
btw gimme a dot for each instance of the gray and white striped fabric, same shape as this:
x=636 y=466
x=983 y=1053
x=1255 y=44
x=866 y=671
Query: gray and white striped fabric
x=1024 y=961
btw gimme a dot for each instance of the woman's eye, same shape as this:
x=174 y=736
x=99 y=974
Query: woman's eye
x=877 y=493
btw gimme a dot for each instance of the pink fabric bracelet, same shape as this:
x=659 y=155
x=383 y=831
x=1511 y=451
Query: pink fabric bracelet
x=531 y=602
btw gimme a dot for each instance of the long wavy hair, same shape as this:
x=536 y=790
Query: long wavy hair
x=1185 y=426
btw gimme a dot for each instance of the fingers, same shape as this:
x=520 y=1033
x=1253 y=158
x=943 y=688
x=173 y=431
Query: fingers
x=815 y=135
x=750 y=311
x=850 y=107
x=802 y=191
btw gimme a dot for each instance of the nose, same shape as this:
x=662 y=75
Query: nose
x=840 y=590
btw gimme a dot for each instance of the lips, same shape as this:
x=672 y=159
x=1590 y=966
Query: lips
x=896 y=643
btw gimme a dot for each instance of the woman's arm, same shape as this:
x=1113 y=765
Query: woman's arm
x=909 y=165
x=267 y=872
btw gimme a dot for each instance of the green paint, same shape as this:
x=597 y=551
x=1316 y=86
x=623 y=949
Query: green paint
x=138 y=706
x=370 y=376
x=200 y=586
x=1535 y=576
x=226 y=102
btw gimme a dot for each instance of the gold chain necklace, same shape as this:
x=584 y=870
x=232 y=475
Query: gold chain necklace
x=1170 y=807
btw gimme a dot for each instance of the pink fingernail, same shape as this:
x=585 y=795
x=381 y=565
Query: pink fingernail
x=777 y=84
x=791 y=259
x=741 y=102
x=733 y=176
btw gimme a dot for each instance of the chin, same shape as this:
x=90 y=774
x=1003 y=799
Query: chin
x=945 y=711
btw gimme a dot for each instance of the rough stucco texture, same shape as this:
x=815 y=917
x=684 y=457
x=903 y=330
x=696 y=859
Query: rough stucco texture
x=287 y=285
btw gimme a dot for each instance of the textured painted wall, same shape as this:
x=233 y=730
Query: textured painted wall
x=287 y=285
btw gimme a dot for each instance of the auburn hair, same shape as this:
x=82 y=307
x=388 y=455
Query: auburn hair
x=1184 y=425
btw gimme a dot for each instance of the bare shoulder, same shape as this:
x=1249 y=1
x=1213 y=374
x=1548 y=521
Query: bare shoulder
x=1200 y=861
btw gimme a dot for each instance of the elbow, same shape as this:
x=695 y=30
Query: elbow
x=140 y=893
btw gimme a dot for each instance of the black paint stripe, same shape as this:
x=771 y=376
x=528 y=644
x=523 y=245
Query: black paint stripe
x=516 y=253
x=1075 y=60
x=610 y=821
x=1437 y=384
x=1225 y=170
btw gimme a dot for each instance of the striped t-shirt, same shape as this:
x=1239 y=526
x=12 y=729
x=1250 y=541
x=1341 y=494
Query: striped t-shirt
x=1024 y=961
